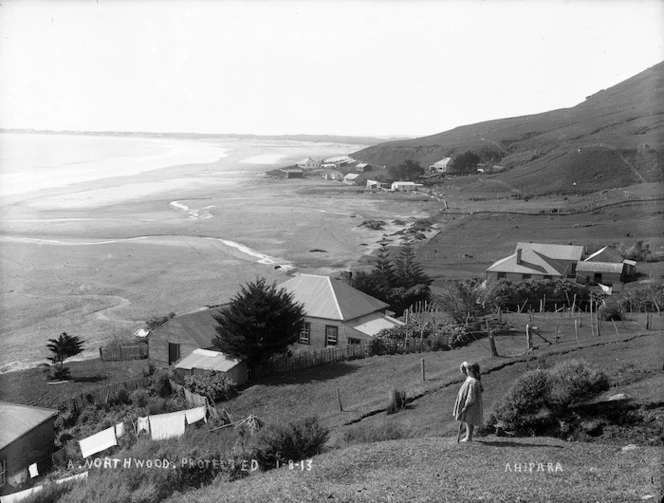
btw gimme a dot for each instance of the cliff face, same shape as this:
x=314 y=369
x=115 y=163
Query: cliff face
x=614 y=138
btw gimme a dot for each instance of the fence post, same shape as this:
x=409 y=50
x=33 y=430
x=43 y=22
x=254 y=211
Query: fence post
x=423 y=371
x=341 y=408
x=576 y=329
x=529 y=340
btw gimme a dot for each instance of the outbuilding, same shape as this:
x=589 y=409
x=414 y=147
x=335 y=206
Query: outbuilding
x=27 y=437
x=205 y=360
x=402 y=186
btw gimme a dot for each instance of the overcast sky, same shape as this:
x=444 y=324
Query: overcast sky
x=337 y=67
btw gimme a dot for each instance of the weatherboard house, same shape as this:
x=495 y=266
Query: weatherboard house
x=527 y=264
x=441 y=166
x=336 y=314
x=27 y=437
x=308 y=163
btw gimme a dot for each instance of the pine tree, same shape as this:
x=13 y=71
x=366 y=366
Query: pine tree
x=384 y=267
x=407 y=272
x=62 y=348
x=260 y=321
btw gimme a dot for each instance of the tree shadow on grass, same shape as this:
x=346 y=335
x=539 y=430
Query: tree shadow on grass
x=514 y=444
x=95 y=378
x=310 y=375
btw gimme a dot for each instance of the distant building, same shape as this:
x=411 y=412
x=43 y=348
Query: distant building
x=527 y=264
x=363 y=167
x=338 y=161
x=608 y=254
x=27 y=436
x=442 y=166
x=402 y=186
x=308 y=163
x=293 y=172
x=601 y=273
x=332 y=175
x=375 y=184
x=200 y=361
x=568 y=255
x=336 y=314
x=351 y=178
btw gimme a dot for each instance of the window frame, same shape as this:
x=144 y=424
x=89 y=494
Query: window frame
x=179 y=352
x=335 y=336
x=305 y=330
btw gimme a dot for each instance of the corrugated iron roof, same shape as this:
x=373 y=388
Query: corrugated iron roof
x=351 y=176
x=605 y=254
x=362 y=164
x=615 y=267
x=443 y=162
x=16 y=420
x=532 y=262
x=199 y=326
x=556 y=252
x=207 y=360
x=374 y=323
x=324 y=297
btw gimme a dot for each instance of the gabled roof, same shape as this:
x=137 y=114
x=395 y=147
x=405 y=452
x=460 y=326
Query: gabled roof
x=362 y=164
x=605 y=254
x=443 y=162
x=305 y=161
x=557 y=252
x=205 y=359
x=16 y=420
x=199 y=326
x=615 y=267
x=373 y=323
x=532 y=262
x=324 y=297
x=351 y=176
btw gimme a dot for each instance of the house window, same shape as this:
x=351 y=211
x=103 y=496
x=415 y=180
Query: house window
x=352 y=340
x=305 y=333
x=331 y=335
x=173 y=352
x=501 y=275
x=3 y=472
x=527 y=276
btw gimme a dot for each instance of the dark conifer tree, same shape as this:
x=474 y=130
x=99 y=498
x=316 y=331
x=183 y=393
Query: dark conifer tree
x=260 y=321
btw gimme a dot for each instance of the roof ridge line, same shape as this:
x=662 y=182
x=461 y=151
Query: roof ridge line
x=336 y=301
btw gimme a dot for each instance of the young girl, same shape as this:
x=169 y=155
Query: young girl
x=468 y=406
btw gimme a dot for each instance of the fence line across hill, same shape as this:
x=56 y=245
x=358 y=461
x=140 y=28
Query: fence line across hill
x=122 y=352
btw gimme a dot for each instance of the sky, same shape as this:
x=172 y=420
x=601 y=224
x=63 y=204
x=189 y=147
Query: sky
x=381 y=68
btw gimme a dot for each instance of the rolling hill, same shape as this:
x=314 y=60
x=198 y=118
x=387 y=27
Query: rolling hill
x=614 y=138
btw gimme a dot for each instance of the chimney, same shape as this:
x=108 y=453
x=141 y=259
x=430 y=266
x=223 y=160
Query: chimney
x=518 y=256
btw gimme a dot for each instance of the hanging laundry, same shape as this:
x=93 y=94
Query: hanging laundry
x=98 y=442
x=194 y=415
x=73 y=478
x=119 y=430
x=170 y=425
x=33 y=470
x=142 y=424
x=16 y=497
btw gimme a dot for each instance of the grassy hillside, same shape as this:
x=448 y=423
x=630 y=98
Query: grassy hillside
x=612 y=139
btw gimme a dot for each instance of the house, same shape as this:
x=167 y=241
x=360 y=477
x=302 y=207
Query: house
x=351 y=178
x=308 y=163
x=339 y=161
x=27 y=436
x=402 y=186
x=527 y=264
x=205 y=360
x=604 y=273
x=332 y=175
x=441 y=166
x=292 y=172
x=568 y=255
x=608 y=254
x=374 y=184
x=181 y=335
x=336 y=314
x=363 y=167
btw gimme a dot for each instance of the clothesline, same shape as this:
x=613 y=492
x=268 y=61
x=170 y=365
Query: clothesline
x=252 y=421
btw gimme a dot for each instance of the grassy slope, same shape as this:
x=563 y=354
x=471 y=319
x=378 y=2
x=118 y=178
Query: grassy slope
x=598 y=144
x=429 y=466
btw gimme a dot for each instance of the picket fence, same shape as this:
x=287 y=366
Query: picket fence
x=101 y=394
x=121 y=352
x=300 y=361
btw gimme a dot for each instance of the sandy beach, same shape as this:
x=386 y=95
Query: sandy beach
x=97 y=258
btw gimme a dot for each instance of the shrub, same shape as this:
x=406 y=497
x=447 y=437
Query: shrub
x=610 y=312
x=119 y=397
x=397 y=401
x=51 y=493
x=161 y=383
x=440 y=343
x=139 y=397
x=214 y=384
x=363 y=434
x=156 y=405
x=295 y=441
x=59 y=374
x=460 y=336
x=574 y=381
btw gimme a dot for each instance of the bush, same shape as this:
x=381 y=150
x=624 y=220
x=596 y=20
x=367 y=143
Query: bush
x=119 y=397
x=156 y=405
x=59 y=374
x=161 y=382
x=397 y=401
x=213 y=384
x=363 y=434
x=295 y=441
x=139 y=397
x=541 y=398
x=610 y=312
x=51 y=493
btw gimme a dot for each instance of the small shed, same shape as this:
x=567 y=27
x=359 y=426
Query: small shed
x=406 y=186
x=293 y=172
x=27 y=436
x=205 y=360
x=351 y=178
x=363 y=167
x=441 y=166
x=331 y=175
x=606 y=273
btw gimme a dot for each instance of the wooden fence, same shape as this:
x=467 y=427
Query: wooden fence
x=121 y=352
x=300 y=361
x=101 y=394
